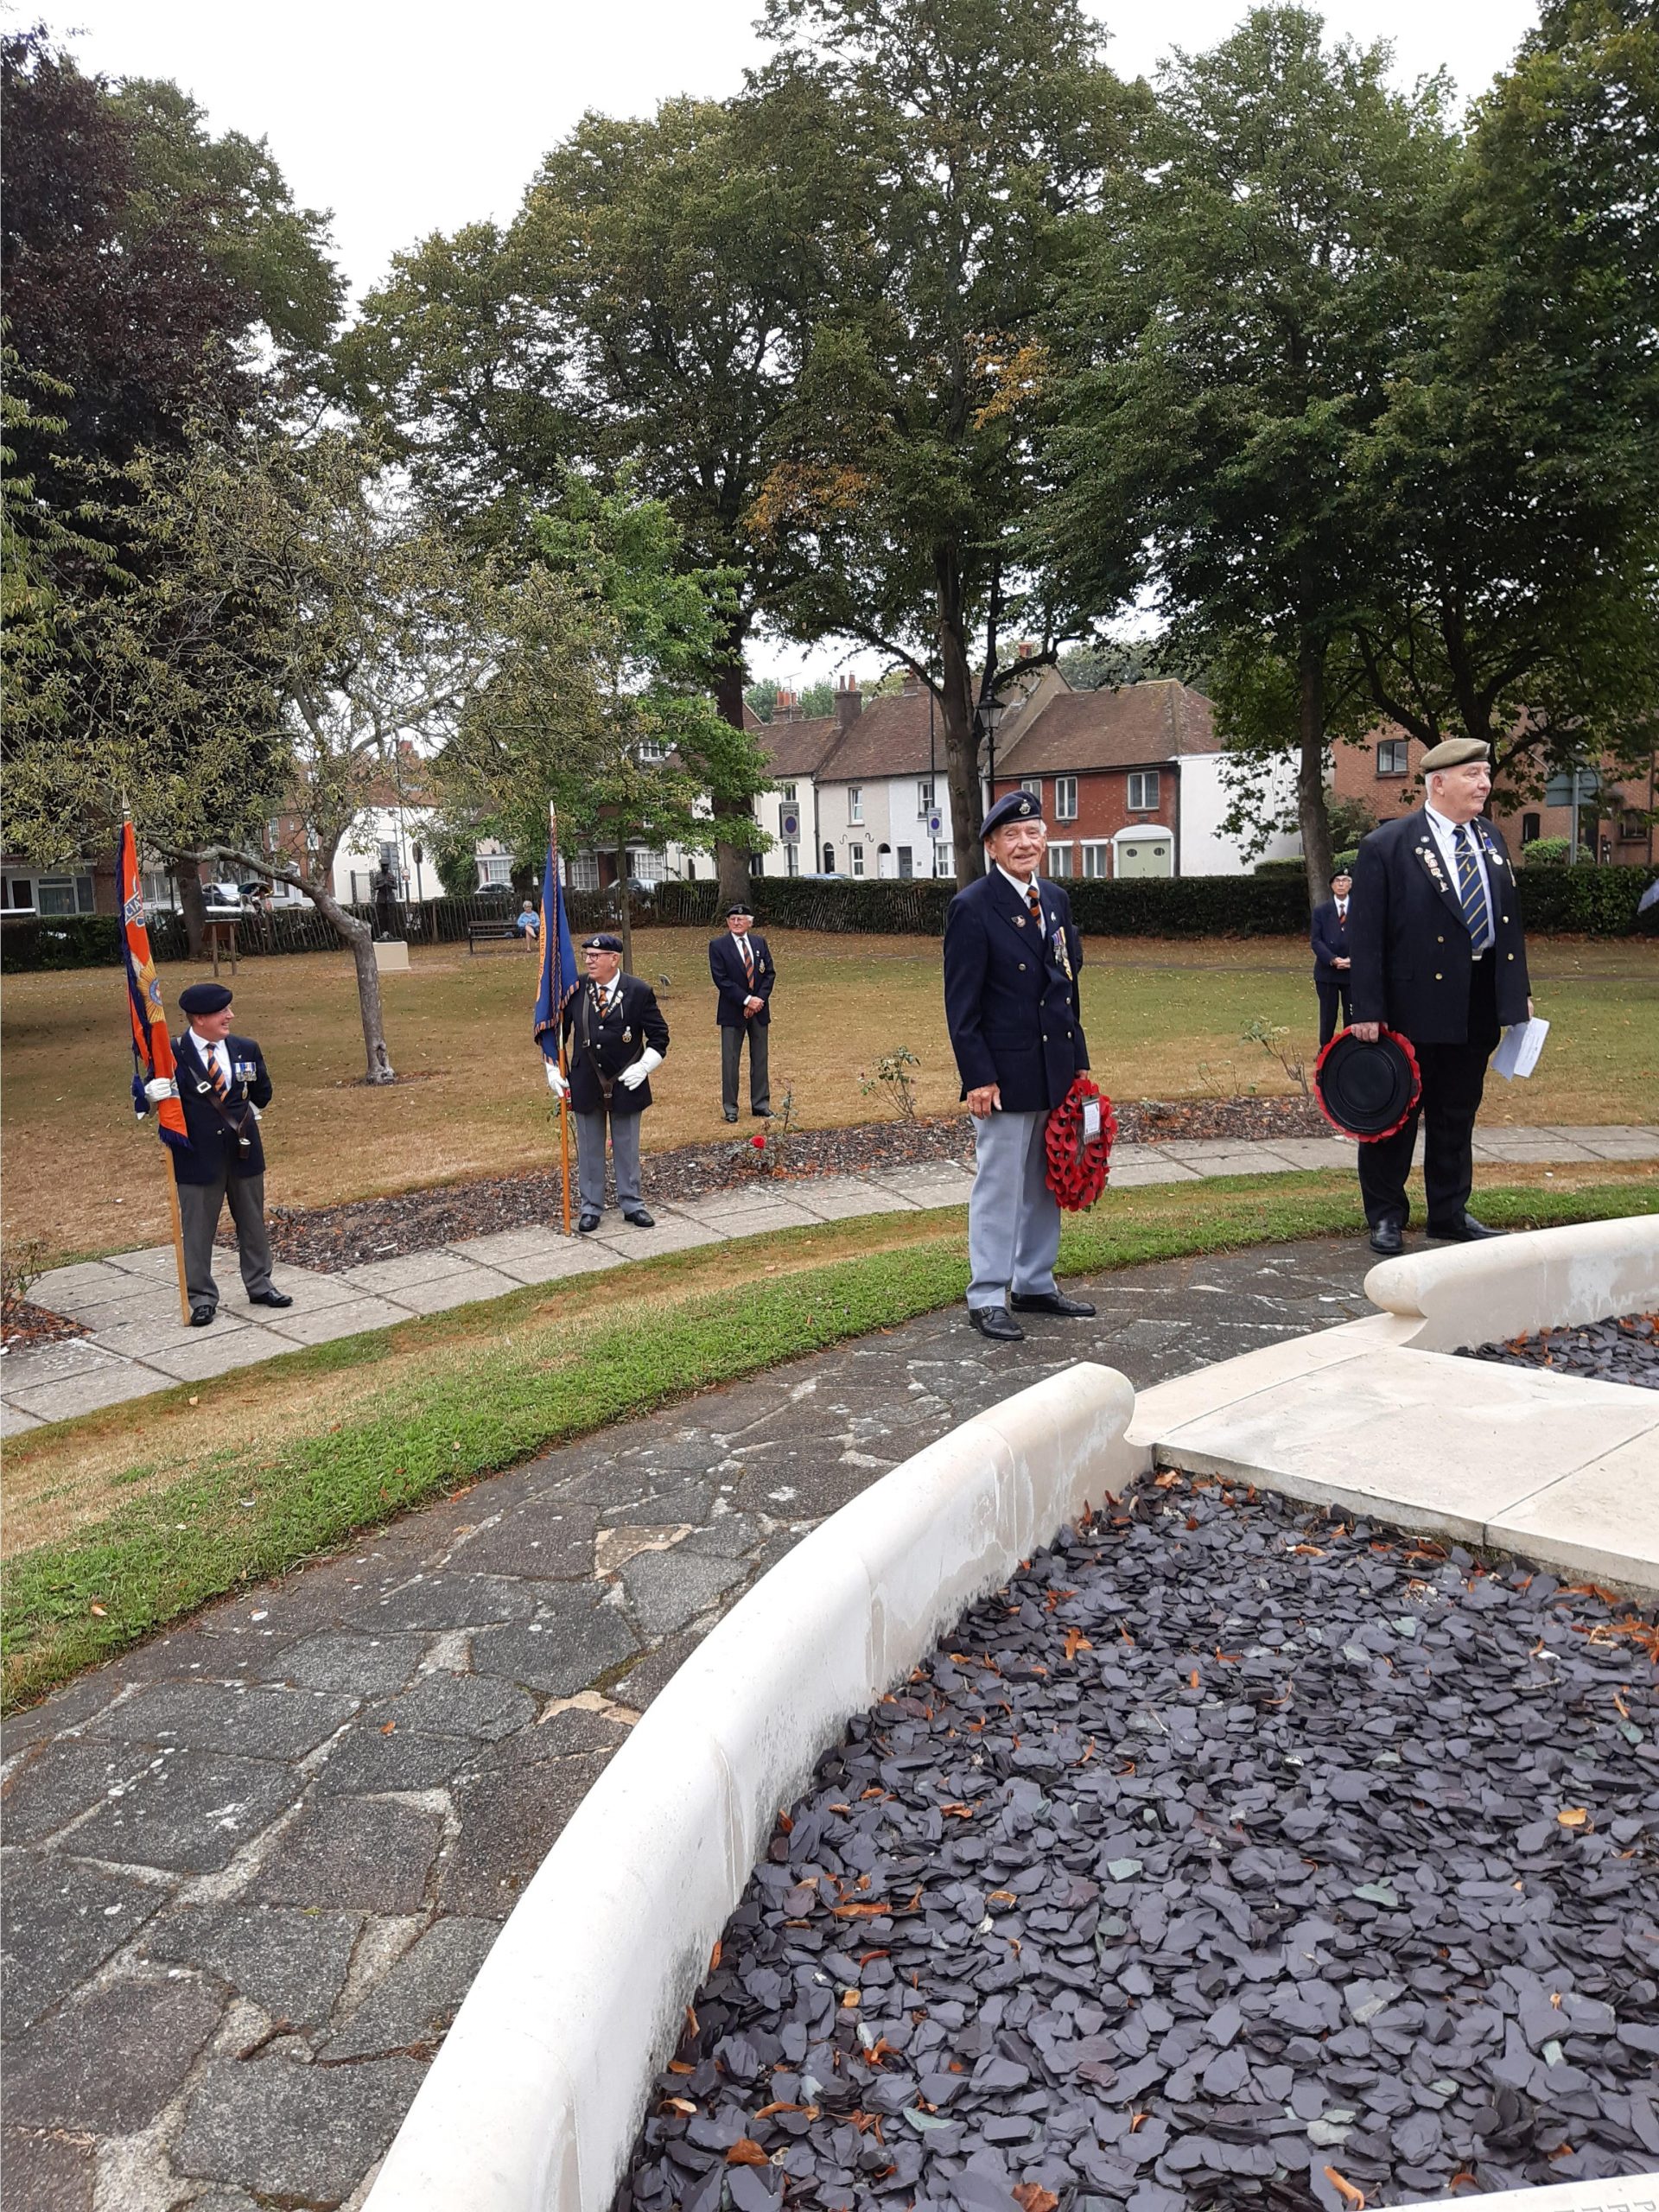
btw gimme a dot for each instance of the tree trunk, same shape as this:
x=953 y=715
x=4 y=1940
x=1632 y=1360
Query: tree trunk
x=961 y=735
x=361 y=939
x=191 y=899
x=625 y=908
x=731 y=861
x=1310 y=774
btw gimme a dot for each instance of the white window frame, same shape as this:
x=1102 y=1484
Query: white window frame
x=1139 y=778
x=1065 y=798
x=1392 y=746
x=1034 y=786
x=496 y=868
x=76 y=889
x=786 y=792
x=581 y=872
x=1059 y=861
x=651 y=748
x=944 y=860
x=856 y=860
x=924 y=797
x=791 y=860
x=856 y=803
x=646 y=866
x=1097 y=861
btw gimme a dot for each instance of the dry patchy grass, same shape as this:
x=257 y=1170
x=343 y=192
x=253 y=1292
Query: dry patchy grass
x=1164 y=1018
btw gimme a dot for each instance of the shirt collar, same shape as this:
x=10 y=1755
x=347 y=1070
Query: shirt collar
x=1444 y=826
x=1024 y=884
x=206 y=1045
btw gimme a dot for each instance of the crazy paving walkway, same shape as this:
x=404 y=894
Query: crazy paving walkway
x=251 y=1868
x=136 y=1344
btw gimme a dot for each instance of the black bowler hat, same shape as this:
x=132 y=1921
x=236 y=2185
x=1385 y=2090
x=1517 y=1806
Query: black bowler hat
x=204 y=998
x=742 y=906
x=603 y=942
x=1013 y=806
x=1367 y=1090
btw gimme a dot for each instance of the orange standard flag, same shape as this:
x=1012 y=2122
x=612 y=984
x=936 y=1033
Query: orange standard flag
x=152 y=1048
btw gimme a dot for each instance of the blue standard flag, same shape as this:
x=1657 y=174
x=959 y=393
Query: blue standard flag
x=560 y=974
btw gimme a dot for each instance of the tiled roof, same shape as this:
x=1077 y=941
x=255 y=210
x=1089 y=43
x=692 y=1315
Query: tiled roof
x=798 y=748
x=890 y=738
x=1136 y=725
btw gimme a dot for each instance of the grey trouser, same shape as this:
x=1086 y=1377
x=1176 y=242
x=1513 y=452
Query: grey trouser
x=731 y=1054
x=1014 y=1218
x=199 y=1205
x=590 y=1159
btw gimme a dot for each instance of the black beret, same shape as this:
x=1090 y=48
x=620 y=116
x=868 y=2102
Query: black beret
x=603 y=942
x=742 y=906
x=204 y=998
x=1367 y=1090
x=1013 y=806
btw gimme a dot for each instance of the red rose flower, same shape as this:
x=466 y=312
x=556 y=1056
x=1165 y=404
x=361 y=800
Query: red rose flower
x=759 y=1143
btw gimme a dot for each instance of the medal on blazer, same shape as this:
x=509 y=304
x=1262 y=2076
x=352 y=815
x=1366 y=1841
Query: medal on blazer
x=1063 y=954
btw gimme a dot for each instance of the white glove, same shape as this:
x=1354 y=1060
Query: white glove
x=160 y=1087
x=632 y=1076
x=556 y=1082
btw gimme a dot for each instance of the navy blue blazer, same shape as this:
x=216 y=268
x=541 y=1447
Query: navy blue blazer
x=1329 y=938
x=602 y=1047
x=732 y=982
x=1012 y=1007
x=1410 y=946
x=223 y=1138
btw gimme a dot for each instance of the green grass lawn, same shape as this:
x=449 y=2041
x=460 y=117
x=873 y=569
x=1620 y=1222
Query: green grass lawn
x=1163 y=1020
x=129 y=1519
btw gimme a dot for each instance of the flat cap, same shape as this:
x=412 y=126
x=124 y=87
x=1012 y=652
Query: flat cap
x=1013 y=806
x=603 y=940
x=204 y=998
x=1455 y=753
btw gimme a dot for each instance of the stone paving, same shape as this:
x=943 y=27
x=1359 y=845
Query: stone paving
x=253 y=1867
x=137 y=1342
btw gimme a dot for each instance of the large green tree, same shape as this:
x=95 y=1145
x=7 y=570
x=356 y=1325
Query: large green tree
x=907 y=461
x=1236 y=320
x=1514 y=474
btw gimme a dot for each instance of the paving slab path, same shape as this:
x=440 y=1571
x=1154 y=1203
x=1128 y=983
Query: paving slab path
x=136 y=1344
x=251 y=1868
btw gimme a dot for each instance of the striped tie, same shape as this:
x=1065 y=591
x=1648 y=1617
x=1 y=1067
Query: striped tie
x=748 y=958
x=1035 y=903
x=220 y=1091
x=1472 y=891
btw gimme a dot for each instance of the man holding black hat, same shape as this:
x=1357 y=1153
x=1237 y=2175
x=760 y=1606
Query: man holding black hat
x=223 y=1086
x=614 y=1036
x=1012 y=959
x=1434 y=932
x=741 y=963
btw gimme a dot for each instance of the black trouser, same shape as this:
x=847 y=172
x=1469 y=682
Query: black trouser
x=1331 y=995
x=1454 y=1076
x=199 y=1207
x=731 y=1054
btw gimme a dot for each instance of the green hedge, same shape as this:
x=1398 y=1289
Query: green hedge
x=1584 y=901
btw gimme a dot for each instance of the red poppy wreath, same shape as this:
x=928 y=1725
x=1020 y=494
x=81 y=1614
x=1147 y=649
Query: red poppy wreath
x=1077 y=1162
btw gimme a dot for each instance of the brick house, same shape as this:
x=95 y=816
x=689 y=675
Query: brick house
x=1384 y=771
x=1130 y=782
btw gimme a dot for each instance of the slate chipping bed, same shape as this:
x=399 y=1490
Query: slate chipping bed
x=1623 y=1348
x=1229 y=1857
x=331 y=1238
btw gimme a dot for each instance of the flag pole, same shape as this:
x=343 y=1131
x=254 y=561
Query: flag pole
x=549 y=922
x=176 y=1217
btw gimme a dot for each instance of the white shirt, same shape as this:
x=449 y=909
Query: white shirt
x=1027 y=890
x=1342 y=910
x=608 y=992
x=215 y=1050
x=1444 y=834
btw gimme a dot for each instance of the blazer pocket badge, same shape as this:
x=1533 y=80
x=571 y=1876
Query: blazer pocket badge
x=627 y=1036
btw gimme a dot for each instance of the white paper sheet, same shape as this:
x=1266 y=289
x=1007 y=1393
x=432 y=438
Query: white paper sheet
x=1518 y=1048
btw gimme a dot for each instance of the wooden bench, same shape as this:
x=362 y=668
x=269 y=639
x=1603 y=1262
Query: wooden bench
x=492 y=933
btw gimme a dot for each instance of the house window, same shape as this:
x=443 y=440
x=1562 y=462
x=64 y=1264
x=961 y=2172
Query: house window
x=1632 y=826
x=157 y=889
x=791 y=860
x=856 y=854
x=854 y=802
x=944 y=858
x=757 y=864
x=64 y=894
x=581 y=872
x=1143 y=791
x=651 y=748
x=1393 y=756
x=924 y=798
x=497 y=867
x=1059 y=861
x=1531 y=828
x=1065 y=798
x=645 y=865
x=1034 y=786
x=829 y=860
x=786 y=792
x=1095 y=861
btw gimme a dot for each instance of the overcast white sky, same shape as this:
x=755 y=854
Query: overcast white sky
x=406 y=117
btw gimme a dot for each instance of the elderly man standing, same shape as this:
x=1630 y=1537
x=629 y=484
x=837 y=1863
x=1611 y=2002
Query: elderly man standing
x=1435 y=935
x=1012 y=959
x=614 y=1036
x=741 y=963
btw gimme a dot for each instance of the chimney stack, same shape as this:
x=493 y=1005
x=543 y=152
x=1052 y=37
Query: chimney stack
x=850 y=701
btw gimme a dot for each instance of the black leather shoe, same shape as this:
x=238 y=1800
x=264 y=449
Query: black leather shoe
x=587 y=1225
x=268 y=1298
x=1468 y=1230
x=641 y=1218
x=1388 y=1237
x=760 y=1113
x=731 y=1117
x=201 y=1315
x=996 y=1323
x=1052 y=1301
